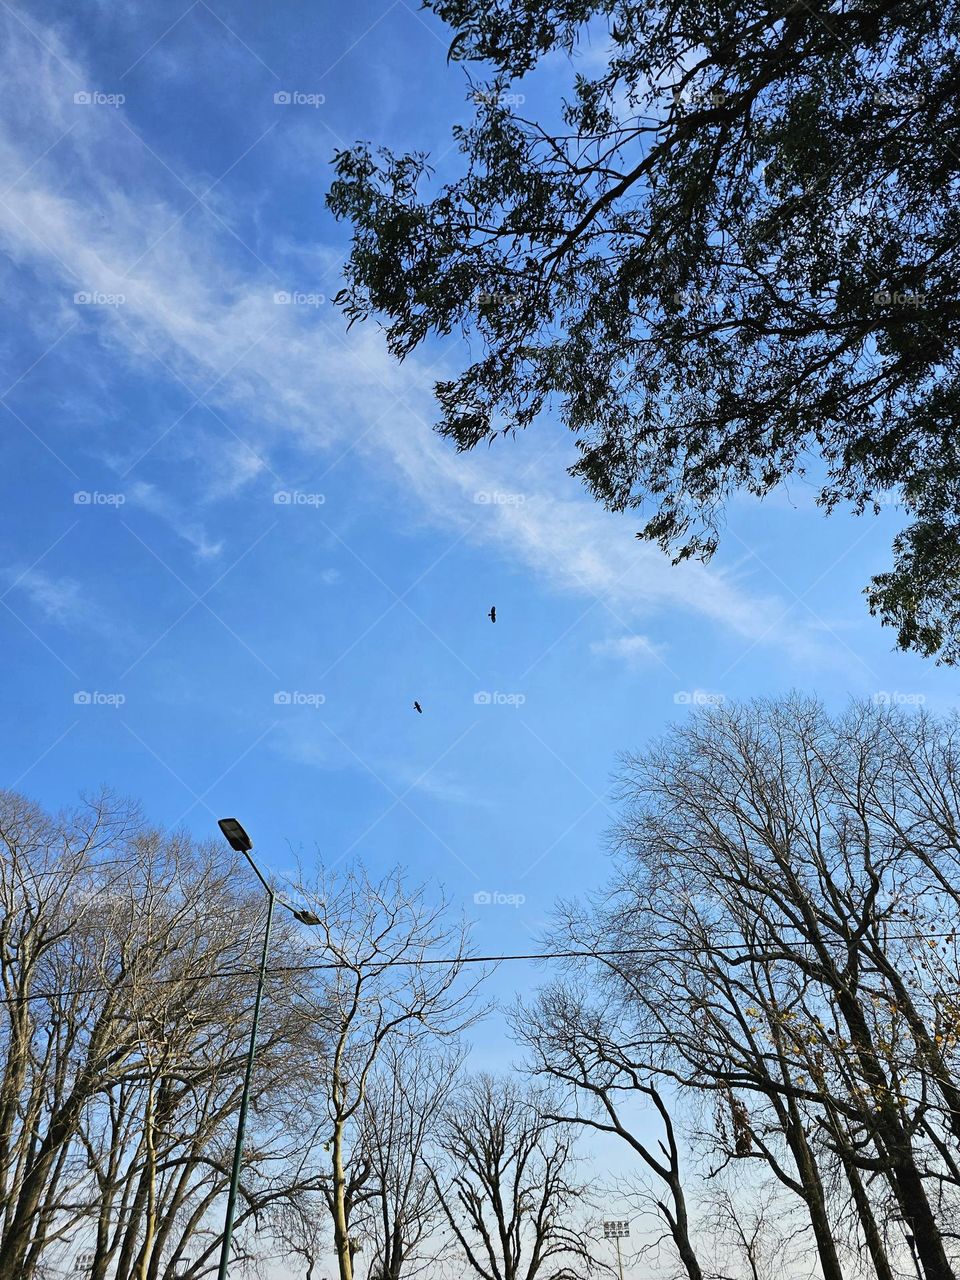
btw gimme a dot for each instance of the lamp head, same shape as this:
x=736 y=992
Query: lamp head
x=306 y=917
x=235 y=835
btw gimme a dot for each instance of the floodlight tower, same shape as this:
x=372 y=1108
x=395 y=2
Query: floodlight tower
x=616 y=1229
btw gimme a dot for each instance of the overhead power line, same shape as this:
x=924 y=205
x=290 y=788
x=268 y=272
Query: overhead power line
x=210 y=975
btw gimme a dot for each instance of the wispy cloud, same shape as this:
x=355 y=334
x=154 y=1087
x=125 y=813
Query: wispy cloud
x=635 y=651
x=151 y=499
x=439 y=785
x=58 y=599
x=64 y=602
x=191 y=309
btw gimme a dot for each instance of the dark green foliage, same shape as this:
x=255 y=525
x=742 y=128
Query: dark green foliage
x=732 y=258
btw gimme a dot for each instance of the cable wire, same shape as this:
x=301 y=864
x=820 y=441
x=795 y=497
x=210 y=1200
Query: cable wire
x=212 y=974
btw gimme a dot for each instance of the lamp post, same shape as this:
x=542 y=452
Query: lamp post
x=616 y=1230
x=240 y=842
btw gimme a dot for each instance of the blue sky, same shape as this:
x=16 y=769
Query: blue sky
x=236 y=654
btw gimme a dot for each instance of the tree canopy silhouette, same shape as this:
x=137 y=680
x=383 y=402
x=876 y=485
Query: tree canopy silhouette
x=728 y=256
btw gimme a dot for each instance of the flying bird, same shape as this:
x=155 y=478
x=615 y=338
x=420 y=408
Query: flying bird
x=417 y=707
x=492 y=615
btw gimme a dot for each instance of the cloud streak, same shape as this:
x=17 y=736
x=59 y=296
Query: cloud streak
x=200 y=311
x=170 y=511
x=633 y=650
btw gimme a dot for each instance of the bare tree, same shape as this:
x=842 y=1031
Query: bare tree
x=177 y=920
x=405 y=1099
x=56 y=1047
x=392 y=971
x=788 y=889
x=591 y=1049
x=756 y=1228
x=299 y=1225
x=127 y=959
x=507 y=1183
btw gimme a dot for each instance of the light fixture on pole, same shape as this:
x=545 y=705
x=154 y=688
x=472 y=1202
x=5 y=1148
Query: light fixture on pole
x=617 y=1229
x=236 y=837
x=240 y=842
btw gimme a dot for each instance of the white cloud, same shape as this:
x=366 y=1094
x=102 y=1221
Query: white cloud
x=65 y=602
x=229 y=465
x=438 y=785
x=60 y=600
x=300 y=740
x=191 y=309
x=635 y=651
x=169 y=510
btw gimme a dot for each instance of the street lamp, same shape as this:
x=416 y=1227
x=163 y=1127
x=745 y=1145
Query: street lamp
x=617 y=1229
x=240 y=842
x=237 y=838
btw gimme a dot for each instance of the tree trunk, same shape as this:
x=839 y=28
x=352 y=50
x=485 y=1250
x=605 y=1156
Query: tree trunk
x=894 y=1144
x=868 y=1222
x=341 y=1229
x=814 y=1197
x=680 y=1230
